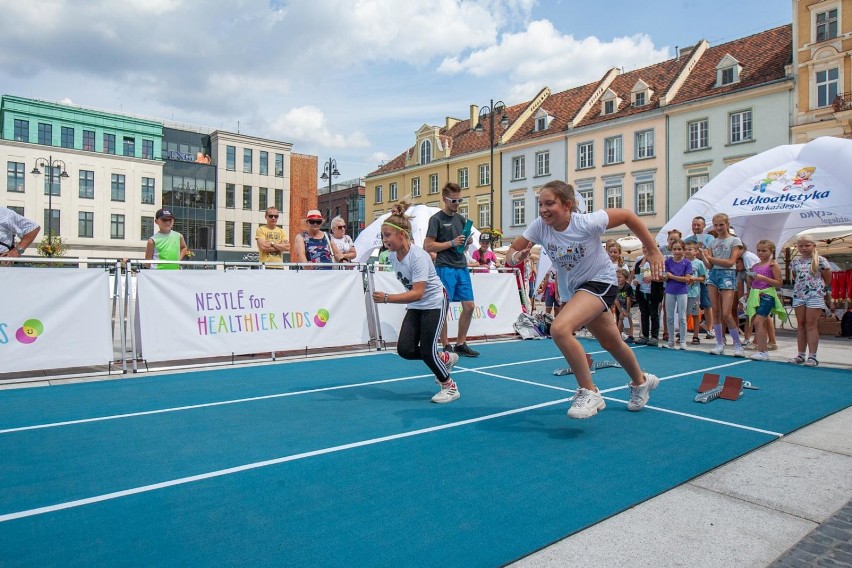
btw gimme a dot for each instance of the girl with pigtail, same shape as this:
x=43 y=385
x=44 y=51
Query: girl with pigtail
x=426 y=299
x=812 y=283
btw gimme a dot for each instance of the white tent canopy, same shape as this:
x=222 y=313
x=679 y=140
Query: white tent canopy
x=778 y=193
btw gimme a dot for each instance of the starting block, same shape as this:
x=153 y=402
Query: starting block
x=593 y=366
x=731 y=389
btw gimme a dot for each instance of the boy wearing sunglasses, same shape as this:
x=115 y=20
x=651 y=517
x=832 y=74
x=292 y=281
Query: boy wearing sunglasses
x=271 y=239
x=444 y=237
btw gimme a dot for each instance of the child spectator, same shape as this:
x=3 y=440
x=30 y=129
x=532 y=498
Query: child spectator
x=721 y=258
x=763 y=300
x=613 y=249
x=693 y=296
x=624 y=303
x=165 y=244
x=649 y=294
x=678 y=272
x=812 y=277
x=483 y=257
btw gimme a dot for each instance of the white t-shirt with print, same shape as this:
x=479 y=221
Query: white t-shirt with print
x=576 y=252
x=344 y=245
x=417 y=266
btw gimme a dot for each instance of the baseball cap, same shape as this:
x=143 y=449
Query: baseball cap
x=484 y=238
x=163 y=213
x=313 y=214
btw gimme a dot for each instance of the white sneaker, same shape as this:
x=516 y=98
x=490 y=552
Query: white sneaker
x=449 y=359
x=586 y=404
x=682 y=345
x=760 y=356
x=448 y=393
x=669 y=345
x=718 y=350
x=639 y=395
x=739 y=351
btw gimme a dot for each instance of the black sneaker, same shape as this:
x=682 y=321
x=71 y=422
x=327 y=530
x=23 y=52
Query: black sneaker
x=448 y=349
x=466 y=351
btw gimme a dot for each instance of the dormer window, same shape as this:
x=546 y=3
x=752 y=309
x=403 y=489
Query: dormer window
x=639 y=99
x=609 y=102
x=640 y=94
x=542 y=120
x=425 y=151
x=728 y=71
x=609 y=107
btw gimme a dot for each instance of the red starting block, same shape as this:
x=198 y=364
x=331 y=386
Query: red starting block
x=731 y=389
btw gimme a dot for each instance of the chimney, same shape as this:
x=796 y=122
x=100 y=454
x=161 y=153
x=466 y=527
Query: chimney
x=474 y=116
x=677 y=51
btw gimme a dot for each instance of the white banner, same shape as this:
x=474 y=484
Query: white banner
x=52 y=318
x=204 y=313
x=496 y=296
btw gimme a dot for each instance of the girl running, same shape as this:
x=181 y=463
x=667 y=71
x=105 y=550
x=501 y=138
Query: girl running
x=426 y=299
x=812 y=284
x=586 y=278
x=720 y=257
x=763 y=300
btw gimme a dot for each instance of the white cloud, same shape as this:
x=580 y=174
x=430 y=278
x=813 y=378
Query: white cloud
x=541 y=56
x=308 y=124
x=379 y=157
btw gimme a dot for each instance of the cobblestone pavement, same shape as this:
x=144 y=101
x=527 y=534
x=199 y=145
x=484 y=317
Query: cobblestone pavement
x=830 y=544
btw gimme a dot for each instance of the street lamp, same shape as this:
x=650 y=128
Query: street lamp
x=491 y=110
x=51 y=166
x=329 y=172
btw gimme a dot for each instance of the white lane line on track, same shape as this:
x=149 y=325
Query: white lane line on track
x=256 y=465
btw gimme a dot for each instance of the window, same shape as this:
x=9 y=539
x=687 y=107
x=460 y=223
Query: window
x=609 y=107
x=279 y=199
x=645 y=197
x=425 y=151
x=247 y=197
x=117 y=187
x=694 y=183
x=129 y=146
x=542 y=163
x=56 y=189
x=484 y=174
x=484 y=215
x=147 y=225
x=148 y=149
x=246 y=234
x=262 y=199
x=264 y=163
x=463 y=209
x=826 y=25
x=613 y=194
x=15 y=177
x=229 y=233
x=89 y=140
x=827 y=83
x=541 y=123
x=433 y=183
x=612 y=150
x=587 y=190
x=644 y=144
x=279 y=165
x=639 y=99
x=52 y=223
x=148 y=190
x=519 y=167
x=116 y=226
x=45 y=134
x=230 y=195
x=697 y=133
x=67 y=137
x=378 y=194
x=415 y=187
x=86 y=224
x=247 y=157
x=87 y=184
x=22 y=130
x=519 y=215
x=585 y=155
x=740 y=123
x=393 y=192
x=109 y=143
x=463 y=180
x=18 y=210
x=231 y=158
x=727 y=76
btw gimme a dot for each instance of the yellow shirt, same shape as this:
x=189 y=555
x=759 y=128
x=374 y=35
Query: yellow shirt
x=275 y=236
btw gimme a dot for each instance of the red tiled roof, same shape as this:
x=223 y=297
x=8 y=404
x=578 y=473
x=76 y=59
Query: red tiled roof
x=762 y=57
x=562 y=106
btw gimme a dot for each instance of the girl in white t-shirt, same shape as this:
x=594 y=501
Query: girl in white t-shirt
x=587 y=280
x=426 y=299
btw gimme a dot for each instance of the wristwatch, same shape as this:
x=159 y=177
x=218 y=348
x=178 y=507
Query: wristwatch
x=21 y=251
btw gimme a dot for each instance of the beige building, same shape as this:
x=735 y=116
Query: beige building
x=822 y=60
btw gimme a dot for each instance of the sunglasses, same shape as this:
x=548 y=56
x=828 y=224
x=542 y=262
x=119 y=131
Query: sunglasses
x=272 y=216
x=448 y=200
x=315 y=221
x=340 y=227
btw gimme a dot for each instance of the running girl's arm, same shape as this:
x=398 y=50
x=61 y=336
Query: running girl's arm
x=618 y=217
x=518 y=251
x=416 y=292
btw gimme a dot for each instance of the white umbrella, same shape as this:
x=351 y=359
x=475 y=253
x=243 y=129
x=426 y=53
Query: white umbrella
x=778 y=193
x=418 y=215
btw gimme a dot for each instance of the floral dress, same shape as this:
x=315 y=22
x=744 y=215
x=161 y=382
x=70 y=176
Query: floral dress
x=809 y=288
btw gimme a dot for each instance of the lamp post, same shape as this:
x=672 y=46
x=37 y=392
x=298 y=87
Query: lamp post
x=51 y=166
x=491 y=110
x=329 y=172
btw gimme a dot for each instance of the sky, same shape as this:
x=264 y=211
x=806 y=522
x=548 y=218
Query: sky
x=350 y=80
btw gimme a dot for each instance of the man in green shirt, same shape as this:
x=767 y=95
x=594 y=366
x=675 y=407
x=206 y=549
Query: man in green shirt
x=165 y=244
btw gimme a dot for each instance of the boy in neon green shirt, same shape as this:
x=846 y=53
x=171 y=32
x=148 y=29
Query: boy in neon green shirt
x=165 y=244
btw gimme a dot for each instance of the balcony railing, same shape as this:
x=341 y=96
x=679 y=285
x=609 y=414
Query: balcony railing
x=842 y=102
